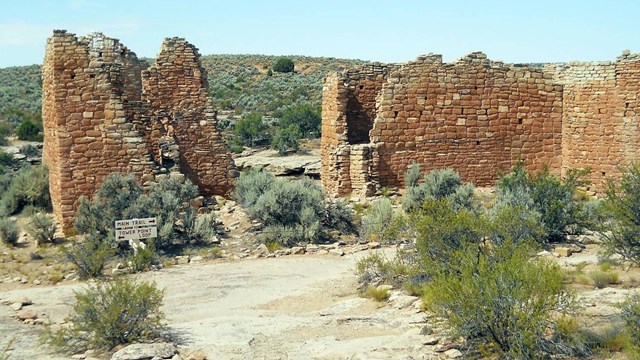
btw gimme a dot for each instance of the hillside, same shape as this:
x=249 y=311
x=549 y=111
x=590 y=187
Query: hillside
x=239 y=82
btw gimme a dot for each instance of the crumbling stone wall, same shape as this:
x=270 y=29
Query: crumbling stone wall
x=98 y=120
x=476 y=116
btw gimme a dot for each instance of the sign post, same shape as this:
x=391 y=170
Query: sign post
x=136 y=229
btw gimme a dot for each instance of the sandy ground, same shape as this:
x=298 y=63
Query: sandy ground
x=296 y=307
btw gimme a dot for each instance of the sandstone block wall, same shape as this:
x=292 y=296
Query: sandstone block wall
x=478 y=117
x=98 y=120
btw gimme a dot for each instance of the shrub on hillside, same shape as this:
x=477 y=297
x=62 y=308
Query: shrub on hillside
x=623 y=205
x=8 y=231
x=437 y=184
x=250 y=130
x=29 y=131
x=41 y=229
x=305 y=116
x=29 y=187
x=251 y=185
x=283 y=65
x=108 y=314
x=551 y=197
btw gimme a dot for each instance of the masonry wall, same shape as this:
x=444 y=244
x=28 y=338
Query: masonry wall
x=97 y=120
x=476 y=116
x=600 y=124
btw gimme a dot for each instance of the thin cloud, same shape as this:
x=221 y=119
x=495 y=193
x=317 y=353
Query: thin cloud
x=84 y=4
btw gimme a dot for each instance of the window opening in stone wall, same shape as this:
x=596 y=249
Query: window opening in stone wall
x=519 y=121
x=361 y=87
x=626 y=105
x=477 y=142
x=604 y=173
x=92 y=76
x=73 y=76
x=100 y=54
x=395 y=113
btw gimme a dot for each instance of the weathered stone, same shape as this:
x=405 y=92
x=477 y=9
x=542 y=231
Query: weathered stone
x=145 y=352
x=563 y=251
x=260 y=251
x=26 y=314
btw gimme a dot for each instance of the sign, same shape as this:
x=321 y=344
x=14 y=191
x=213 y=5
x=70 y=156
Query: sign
x=136 y=229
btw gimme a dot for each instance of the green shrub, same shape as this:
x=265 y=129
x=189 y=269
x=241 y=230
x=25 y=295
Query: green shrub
x=338 y=216
x=8 y=231
x=29 y=131
x=438 y=184
x=283 y=65
x=517 y=224
x=376 y=220
x=89 y=256
x=631 y=315
x=548 y=195
x=305 y=116
x=286 y=138
x=623 y=204
x=502 y=298
x=377 y=269
x=143 y=257
x=602 y=279
x=6 y=159
x=121 y=197
x=249 y=130
x=292 y=211
x=30 y=150
x=108 y=314
x=377 y=293
x=412 y=176
x=29 y=186
x=42 y=229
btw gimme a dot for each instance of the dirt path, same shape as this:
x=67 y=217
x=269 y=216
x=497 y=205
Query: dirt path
x=296 y=307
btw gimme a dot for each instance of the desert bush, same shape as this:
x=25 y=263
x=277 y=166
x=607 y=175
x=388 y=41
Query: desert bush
x=500 y=297
x=376 y=220
x=251 y=185
x=6 y=159
x=631 y=316
x=30 y=150
x=42 y=229
x=121 y=197
x=143 y=257
x=412 y=176
x=338 y=216
x=108 y=314
x=30 y=131
x=292 y=211
x=89 y=256
x=286 y=138
x=623 y=205
x=376 y=269
x=283 y=65
x=602 y=279
x=550 y=196
x=29 y=186
x=438 y=184
x=8 y=231
x=515 y=223
x=377 y=293
x=305 y=116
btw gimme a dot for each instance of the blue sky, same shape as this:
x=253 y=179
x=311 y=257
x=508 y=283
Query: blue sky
x=386 y=31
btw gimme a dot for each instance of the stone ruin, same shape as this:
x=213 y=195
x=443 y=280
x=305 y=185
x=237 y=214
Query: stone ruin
x=479 y=117
x=106 y=111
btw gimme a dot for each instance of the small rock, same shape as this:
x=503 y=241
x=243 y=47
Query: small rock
x=145 y=351
x=402 y=301
x=543 y=253
x=196 y=258
x=198 y=202
x=24 y=281
x=297 y=250
x=37 y=282
x=260 y=251
x=453 y=353
x=337 y=252
x=311 y=247
x=119 y=271
x=26 y=314
x=16 y=306
x=120 y=266
x=430 y=340
x=17 y=279
x=182 y=260
x=373 y=245
x=25 y=301
x=563 y=251
x=78 y=356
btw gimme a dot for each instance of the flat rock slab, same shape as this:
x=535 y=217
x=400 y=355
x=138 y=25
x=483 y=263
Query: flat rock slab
x=145 y=352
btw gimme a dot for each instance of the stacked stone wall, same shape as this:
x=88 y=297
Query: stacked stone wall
x=97 y=119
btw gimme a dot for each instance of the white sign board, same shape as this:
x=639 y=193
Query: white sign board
x=136 y=229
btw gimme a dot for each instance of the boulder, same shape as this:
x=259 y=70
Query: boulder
x=260 y=251
x=145 y=352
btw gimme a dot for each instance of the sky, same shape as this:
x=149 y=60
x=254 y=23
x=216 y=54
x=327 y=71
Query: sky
x=385 y=31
